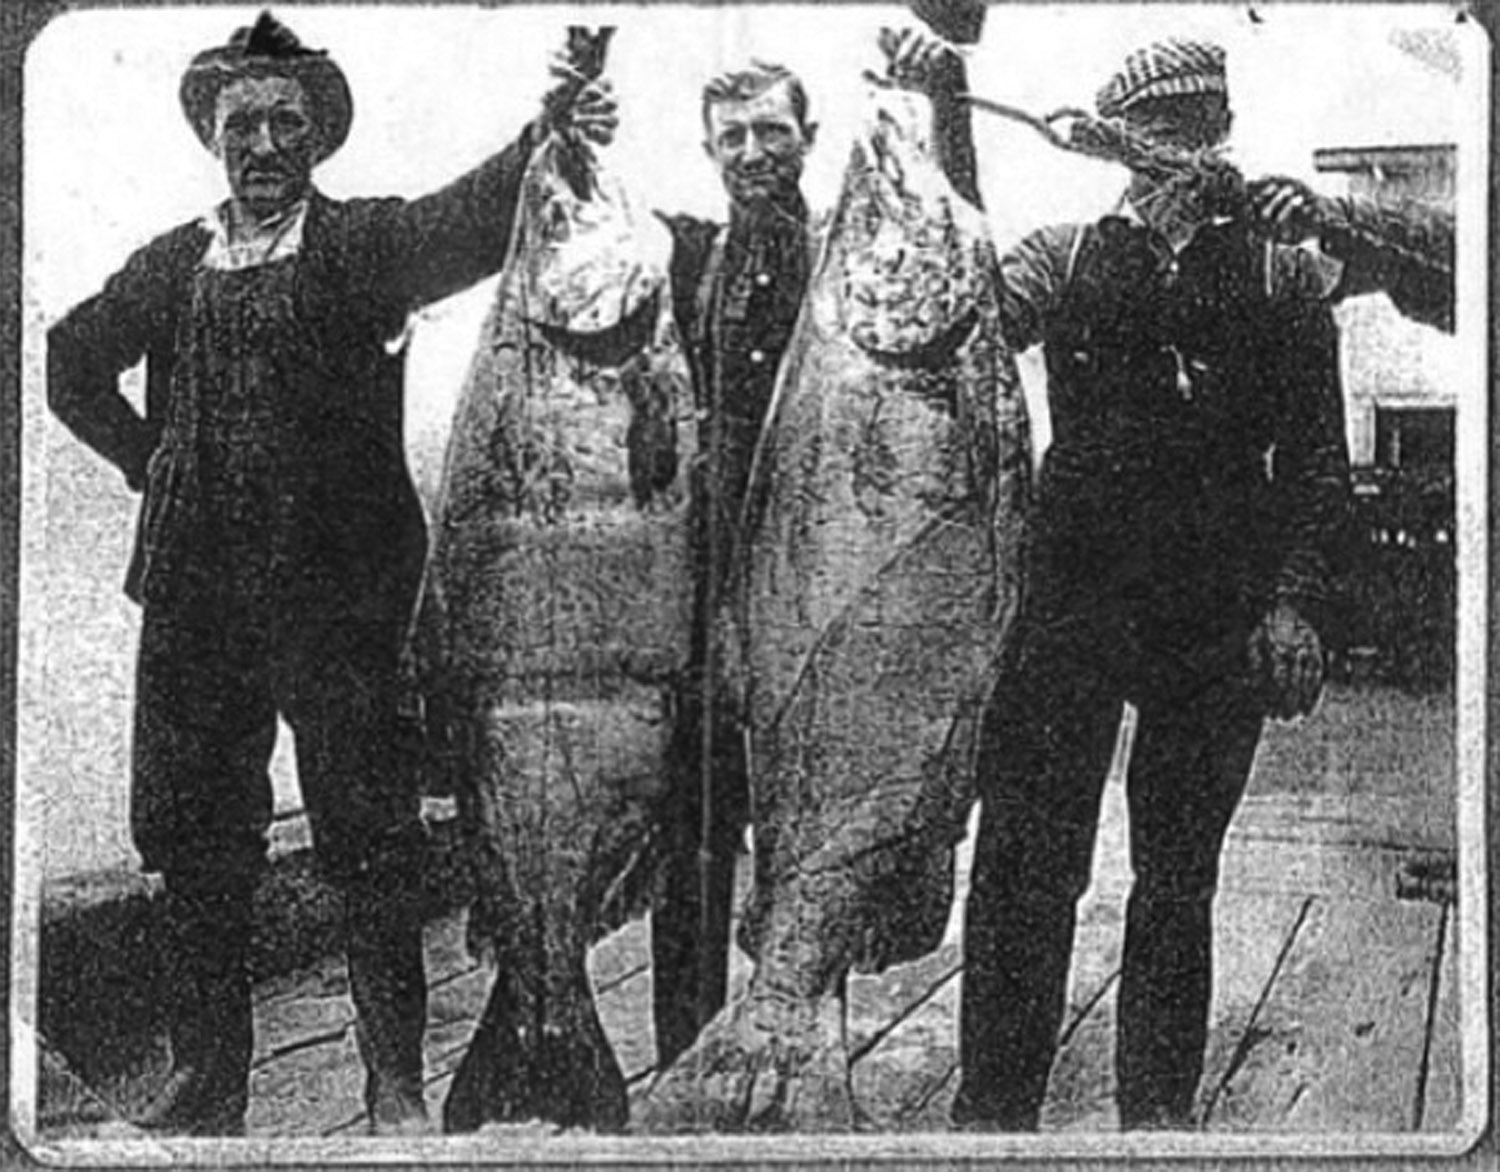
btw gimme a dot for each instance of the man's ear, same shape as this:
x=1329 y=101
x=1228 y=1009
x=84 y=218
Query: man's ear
x=708 y=149
x=810 y=134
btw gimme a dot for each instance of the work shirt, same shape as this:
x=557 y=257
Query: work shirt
x=306 y=357
x=1197 y=472
x=737 y=291
x=1405 y=250
x=279 y=238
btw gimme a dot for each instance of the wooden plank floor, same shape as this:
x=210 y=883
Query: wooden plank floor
x=1335 y=1007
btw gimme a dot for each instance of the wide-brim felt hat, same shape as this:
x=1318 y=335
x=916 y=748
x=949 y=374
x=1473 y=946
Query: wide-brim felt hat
x=269 y=49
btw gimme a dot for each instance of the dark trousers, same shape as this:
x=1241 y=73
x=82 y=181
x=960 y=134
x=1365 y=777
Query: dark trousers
x=1050 y=734
x=690 y=918
x=211 y=679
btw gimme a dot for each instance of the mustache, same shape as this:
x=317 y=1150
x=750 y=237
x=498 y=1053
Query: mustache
x=761 y=174
x=267 y=165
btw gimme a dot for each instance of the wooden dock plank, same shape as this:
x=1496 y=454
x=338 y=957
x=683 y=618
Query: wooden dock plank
x=1442 y=1101
x=1328 y=992
x=1364 y=741
x=625 y=1012
x=1336 y=1045
x=1081 y=1089
x=1253 y=935
x=878 y=1003
x=896 y=1083
x=307 y=1092
x=1278 y=867
x=1080 y=1093
x=1363 y=820
x=620 y=954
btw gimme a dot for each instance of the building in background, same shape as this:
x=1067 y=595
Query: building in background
x=1401 y=390
x=1398 y=376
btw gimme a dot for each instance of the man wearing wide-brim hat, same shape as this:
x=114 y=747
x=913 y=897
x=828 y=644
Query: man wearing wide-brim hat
x=280 y=541
x=1187 y=518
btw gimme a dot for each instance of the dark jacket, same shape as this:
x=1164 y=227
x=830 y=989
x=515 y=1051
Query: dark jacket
x=755 y=297
x=1404 y=249
x=365 y=264
x=1198 y=471
x=735 y=302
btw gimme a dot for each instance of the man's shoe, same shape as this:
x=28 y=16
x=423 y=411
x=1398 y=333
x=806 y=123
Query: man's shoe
x=967 y=1114
x=189 y=1103
x=394 y=1114
x=1158 y=1119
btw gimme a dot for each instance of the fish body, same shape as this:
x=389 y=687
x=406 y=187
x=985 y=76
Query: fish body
x=882 y=567
x=555 y=623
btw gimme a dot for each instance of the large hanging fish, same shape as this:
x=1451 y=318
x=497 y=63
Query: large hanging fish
x=883 y=568
x=556 y=618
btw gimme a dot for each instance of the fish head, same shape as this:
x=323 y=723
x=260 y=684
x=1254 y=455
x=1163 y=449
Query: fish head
x=910 y=282
x=593 y=265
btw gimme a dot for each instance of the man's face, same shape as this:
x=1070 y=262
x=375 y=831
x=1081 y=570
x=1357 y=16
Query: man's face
x=268 y=141
x=758 y=145
x=1184 y=121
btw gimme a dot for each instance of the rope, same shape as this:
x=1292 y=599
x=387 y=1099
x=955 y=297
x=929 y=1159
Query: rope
x=1111 y=141
x=1107 y=139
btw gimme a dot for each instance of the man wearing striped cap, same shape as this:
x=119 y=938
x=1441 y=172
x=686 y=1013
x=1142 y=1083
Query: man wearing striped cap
x=1185 y=519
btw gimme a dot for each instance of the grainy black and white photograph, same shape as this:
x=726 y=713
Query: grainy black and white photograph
x=751 y=581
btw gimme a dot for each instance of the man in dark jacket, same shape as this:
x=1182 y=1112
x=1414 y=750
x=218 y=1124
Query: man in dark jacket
x=1185 y=518
x=280 y=543
x=737 y=290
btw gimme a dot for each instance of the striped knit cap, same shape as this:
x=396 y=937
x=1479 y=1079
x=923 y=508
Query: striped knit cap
x=1173 y=66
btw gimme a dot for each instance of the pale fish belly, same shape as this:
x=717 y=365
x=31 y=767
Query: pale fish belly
x=882 y=572
x=555 y=623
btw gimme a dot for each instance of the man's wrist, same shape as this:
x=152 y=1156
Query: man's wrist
x=1335 y=228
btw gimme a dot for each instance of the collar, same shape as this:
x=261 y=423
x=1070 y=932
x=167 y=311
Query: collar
x=262 y=243
x=777 y=221
x=1176 y=232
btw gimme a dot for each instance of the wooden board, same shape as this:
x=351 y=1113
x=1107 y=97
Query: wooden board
x=1080 y=1094
x=1336 y=1045
x=625 y=1012
x=1277 y=867
x=1442 y=1099
x=877 y=1004
x=1364 y=741
x=308 y=1092
x=1387 y=821
x=1081 y=1089
x=897 y=1081
x=1253 y=936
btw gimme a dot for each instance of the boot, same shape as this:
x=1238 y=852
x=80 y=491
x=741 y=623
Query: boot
x=388 y=984
x=210 y=1030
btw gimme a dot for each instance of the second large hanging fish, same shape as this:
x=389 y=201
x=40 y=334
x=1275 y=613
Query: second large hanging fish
x=883 y=567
